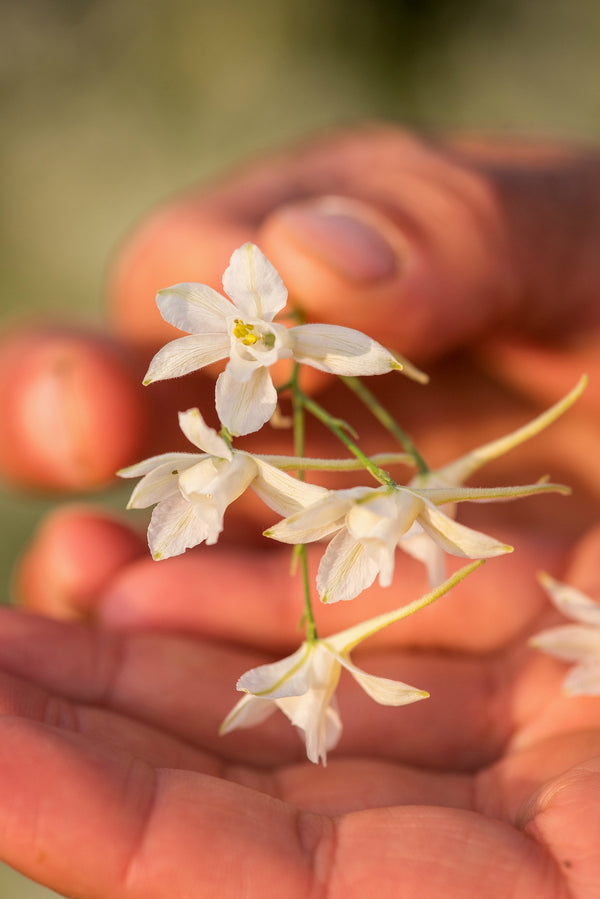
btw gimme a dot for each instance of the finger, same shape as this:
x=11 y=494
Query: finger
x=135 y=832
x=64 y=395
x=427 y=245
x=74 y=556
x=186 y=688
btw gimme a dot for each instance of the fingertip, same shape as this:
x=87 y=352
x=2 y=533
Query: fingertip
x=76 y=552
x=73 y=410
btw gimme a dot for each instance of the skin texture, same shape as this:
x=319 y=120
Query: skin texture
x=114 y=780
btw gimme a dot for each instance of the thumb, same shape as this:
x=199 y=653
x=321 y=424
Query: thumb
x=427 y=246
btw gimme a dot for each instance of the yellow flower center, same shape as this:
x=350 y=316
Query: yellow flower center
x=244 y=333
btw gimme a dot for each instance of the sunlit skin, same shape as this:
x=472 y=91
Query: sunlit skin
x=115 y=783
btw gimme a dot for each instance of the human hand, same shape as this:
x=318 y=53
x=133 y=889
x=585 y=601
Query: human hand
x=445 y=273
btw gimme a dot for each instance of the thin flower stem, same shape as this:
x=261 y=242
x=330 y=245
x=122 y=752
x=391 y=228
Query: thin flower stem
x=384 y=418
x=335 y=427
x=302 y=463
x=300 y=550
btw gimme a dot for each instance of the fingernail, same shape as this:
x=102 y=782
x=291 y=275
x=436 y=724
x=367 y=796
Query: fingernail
x=341 y=235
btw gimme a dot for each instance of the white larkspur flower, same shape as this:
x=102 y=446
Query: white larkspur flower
x=303 y=685
x=578 y=643
x=193 y=490
x=417 y=542
x=242 y=329
x=369 y=524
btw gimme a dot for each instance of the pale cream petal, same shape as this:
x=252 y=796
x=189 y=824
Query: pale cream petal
x=161 y=482
x=195 y=308
x=201 y=435
x=318 y=520
x=457 y=539
x=179 y=357
x=569 y=642
x=346 y=569
x=341 y=351
x=286 y=677
x=254 y=284
x=283 y=493
x=571 y=602
x=249 y=711
x=421 y=546
x=177 y=460
x=245 y=408
x=382 y=689
x=174 y=527
x=315 y=714
x=583 y=679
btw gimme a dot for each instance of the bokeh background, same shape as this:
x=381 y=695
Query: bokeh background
x=109 y=106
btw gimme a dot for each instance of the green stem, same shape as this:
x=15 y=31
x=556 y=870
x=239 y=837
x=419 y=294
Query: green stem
x=336 y=428
x=300 y=549
x=384 y=418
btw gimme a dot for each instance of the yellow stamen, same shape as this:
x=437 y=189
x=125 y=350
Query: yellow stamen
x=242 y=332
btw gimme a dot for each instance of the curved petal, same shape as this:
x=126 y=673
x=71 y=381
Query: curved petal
x=161 y=482
x=254 y=284
x=457 y=539
x=250 y=710
x=286 y=677
x=345 y=570
x=201 y=435
x=583 y=679
x=245 y=408
x=175 y=527
x=186 y=354
x=341 y=351
x=382 y=689
x=176 y=460
x=316 y=715
x=569 y=642
x=421 y=546
x=194 y=308
x=283 y=493
x=318 y=520
x=571 y=602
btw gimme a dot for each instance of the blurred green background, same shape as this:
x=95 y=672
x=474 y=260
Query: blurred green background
x=109 y=106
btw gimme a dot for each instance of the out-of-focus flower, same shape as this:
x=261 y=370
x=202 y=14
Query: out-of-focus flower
x=192 y=491
x=303 y=685
x=242 y=329
x=578 y=643
x=370 y=523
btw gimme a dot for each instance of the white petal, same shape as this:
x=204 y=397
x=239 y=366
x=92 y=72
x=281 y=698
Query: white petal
x=174 y=527
x=244 y=408
x=195 y=308
x=421 y=546
x=318 y=520
x=250 y=710
x=161 y=482
x=286 y=677
x=570 y=642
x=218 y=483
x=382 y=689
x=571 y=602
x=176 y=460
x=201 y=435
x=254 y=284
x=283 y=493
x=345 y=570
x=179 y=357
x=457 y=539
x=316 y=715
x=342 y=351
x=583 y=679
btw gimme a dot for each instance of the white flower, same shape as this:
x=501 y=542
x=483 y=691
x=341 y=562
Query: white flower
x=242 y=328
x=370 y=523
x=192 y=491
x=303 y=685
x=579 y=643
x=417 y=542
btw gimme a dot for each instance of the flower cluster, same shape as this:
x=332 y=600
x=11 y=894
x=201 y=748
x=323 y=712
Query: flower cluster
x=363 y=526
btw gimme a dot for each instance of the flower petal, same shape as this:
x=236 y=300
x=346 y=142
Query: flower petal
x=175 y=527
x=421 y=546
x=186 y=354
x=176 y=460
x=571 y=602
x=254 y=284
x=570 y=642
x=162 y=481
x=457 y=539
x=382 y=689
x=283 y=493
x=286 y=677
x=341 y=351
x=346 y=569
x=583 y=679
x=316 y=715
x=318 y=520
x=244 y=408
x=250 y=710
x=195 y=308
x=201 y=435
